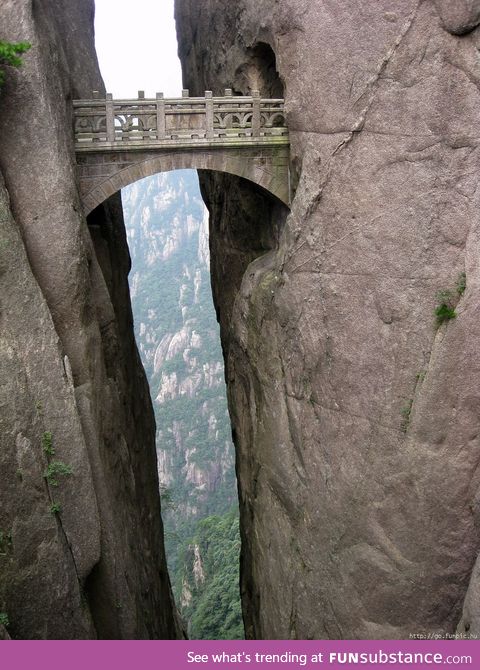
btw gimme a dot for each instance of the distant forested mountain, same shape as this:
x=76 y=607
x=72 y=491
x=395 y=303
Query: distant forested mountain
x=177 y=334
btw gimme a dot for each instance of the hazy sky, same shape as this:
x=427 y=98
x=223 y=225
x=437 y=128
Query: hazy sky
x=137 y=47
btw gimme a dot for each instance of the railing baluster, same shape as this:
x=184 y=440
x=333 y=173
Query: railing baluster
x=256 y=118
x=208 y=114
x=110 y=118
x=161 y=125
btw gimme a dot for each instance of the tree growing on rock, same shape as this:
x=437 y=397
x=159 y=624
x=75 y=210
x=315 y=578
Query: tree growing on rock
x=10 y=55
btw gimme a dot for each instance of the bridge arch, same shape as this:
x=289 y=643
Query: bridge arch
x=103 y=174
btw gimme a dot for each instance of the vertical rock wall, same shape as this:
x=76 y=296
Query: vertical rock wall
x=81 y=551
x=356 y=417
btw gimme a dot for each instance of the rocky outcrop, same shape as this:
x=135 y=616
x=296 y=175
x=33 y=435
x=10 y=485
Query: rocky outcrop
x=356 y=416
x=82 y=548
x=459 y=17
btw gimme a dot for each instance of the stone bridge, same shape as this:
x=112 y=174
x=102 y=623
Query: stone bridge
x=118 y=142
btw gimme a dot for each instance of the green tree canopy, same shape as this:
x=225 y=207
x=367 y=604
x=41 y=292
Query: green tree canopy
x=217 y=614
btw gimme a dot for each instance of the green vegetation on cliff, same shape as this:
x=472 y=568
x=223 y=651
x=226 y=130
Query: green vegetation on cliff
x=10 y=55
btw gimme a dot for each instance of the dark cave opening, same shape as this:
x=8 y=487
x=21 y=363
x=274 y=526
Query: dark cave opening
x=259 y=72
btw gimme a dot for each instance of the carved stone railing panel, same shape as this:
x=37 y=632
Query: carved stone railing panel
x=180 y=120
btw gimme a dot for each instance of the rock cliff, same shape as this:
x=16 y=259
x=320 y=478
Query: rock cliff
x=356 y=413
x=81 y=548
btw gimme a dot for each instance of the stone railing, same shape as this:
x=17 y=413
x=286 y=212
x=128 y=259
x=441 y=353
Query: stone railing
x=179 y=120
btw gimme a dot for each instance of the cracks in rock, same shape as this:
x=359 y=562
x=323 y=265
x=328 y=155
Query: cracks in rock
x=424 y=53
x=472 y=487
x=291 y=424
x=353 y=416
x=360 y=122
x=411 y=157
x=340 y=634
x=357 y=227
x=429 y=357
x=69 y=547
x=293 y=615
x=383 y=65
x=358 y=125
x=350 y=90
x=386 y=275
x=469 y=75
x=386 y=133
x=328 y=344
x=356 y=129
x=408 y=408
x=65 y=537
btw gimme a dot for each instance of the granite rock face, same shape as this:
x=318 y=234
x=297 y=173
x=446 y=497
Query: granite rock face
x=81 y=551
x=356 y=417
